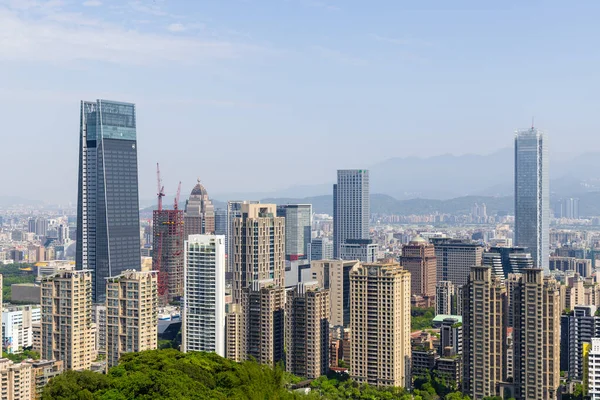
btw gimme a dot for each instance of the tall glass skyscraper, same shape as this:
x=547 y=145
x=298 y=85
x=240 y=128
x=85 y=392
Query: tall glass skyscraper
x=298 y=229
x=532 y=194
x=351 y=207
x=108 y=219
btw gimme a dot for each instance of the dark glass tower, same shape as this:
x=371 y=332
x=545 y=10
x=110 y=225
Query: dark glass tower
x=108 y=220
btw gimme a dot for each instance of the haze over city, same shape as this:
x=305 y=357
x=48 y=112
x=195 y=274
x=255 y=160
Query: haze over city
x=290 y=90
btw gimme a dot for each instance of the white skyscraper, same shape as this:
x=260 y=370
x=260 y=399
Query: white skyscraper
x=532 y=195
x=594 y=370
x=351 y=207
x=204 y=294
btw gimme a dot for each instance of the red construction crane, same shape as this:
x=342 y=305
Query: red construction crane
x=161 y=189
x=176 y=204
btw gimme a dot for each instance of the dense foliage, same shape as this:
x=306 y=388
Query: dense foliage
x=421 y=318
x=24 y=355
x=170 y=374
x=12 y=274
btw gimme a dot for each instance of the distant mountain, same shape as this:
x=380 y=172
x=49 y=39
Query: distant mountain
x=384 y=204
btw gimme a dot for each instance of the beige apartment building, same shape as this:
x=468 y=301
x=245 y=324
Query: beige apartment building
x=233 y=332
x=335 y=276
x=41 y=373
x=15 y=380
x=536 y=309
x=484 y=334
x=131 y=314
x=258 y=247
x=66 y=329
x=380 y=325
x=263 y=322
x=307 y=330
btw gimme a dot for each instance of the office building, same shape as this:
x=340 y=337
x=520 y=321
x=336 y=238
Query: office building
x=167 y=253
x=221 y=222
x=66 y=333
x=418 y=258
x=334 y=275
x=234 y=210
x=494 y=261
x=199 y=212
x=15 y=380
x=594 y=370
x=298 y=226
x=455 y=258
x=131 y=314
x=484 y=334
x=351 y=208
x=259 y=243
x=307 y=330
x=567 y=208
x=17 y=327
x=577 y=328
x=321 y=249
x=380 y=325
x=536 y=309
x=262 y=333
x=203 y=327
x=363 y=250
x=532 y=195
x=108 y=212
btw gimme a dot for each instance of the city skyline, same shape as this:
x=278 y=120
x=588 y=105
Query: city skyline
x=410 y=66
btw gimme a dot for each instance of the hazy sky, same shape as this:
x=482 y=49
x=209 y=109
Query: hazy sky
x=259 y=95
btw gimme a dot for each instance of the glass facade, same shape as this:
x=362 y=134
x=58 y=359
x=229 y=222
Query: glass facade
x=108 y=226
x=298 y=228
x=532 y=195
x=351 y=207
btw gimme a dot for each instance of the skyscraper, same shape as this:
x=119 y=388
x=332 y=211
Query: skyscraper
x=234 y=210
x=380 y=325
x=67 y=319
x=131 y=314
x=532 y=195
x=108 y=216
x=321 y=249
x=418 y=258
x=259 y=243
x=203 y=326
x=351 y=207
x=199 y=212
x=298 y=226
x=221 y=222
x=307 y=330
x=484 y=334
x=167 y=253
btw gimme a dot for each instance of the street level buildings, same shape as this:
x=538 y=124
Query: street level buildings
x=108 y=217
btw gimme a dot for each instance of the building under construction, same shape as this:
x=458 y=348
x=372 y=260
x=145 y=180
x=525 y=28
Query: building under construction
x=167 y=249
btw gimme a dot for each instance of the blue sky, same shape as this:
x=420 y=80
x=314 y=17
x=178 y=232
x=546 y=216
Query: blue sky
x=260 y=95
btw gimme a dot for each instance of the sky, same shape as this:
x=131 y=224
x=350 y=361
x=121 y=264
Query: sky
x=261 y=95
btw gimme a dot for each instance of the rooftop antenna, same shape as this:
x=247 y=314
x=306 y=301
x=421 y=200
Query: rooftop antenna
x=532 y=121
